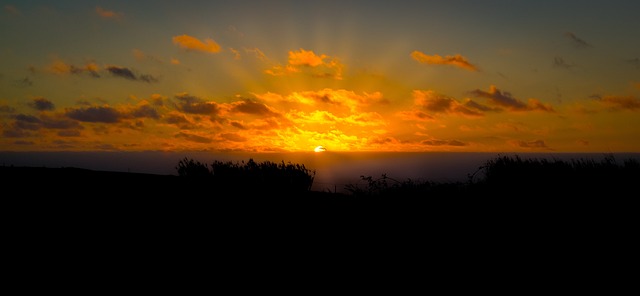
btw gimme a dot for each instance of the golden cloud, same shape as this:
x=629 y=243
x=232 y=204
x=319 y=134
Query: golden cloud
x=455 y=60
x=191 y=43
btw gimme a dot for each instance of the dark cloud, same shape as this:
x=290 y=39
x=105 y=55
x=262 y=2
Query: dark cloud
x=147 y=78
x=560 y=63
x=41 y=104
x=252 y=107
x=127 y=73
x=437 y=103
x=25 y=82
x=95 y=114
x=59 y=123
x=195 y=105
x=27 y=122
x=145 y=111
x=69 y=133
x=577 y=42
x=621 y=102
x=6 y=109
x=634 y=62
x=532 y=144
x=238 y=125
x=502 y=99
x=475 y=105
x=193 y=138
x=121 y=72
x=24 y=143
x=442 y=143
x=233 y=137
x=15 y=133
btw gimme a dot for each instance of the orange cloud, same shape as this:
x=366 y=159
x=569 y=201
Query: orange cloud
x=308 y=62
x=108 y=14
x=191 y=43
x=506 y=100
x=456 y=60
x=433 y=102
x=621 y=103
x=305 y=58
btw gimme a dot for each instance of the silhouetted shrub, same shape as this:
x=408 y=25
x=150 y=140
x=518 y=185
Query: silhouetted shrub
x=250 y=176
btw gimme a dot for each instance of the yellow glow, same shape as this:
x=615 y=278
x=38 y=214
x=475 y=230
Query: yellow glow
x=319 y=149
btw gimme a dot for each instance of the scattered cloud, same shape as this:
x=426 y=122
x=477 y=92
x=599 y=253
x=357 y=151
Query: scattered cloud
x=432 y=102
x=443 y=143
x=621 y=102
x=41 y=104
x=536 y=144
x=24 y=82
x=108 y=14
x=193 y=44
x=60 y=67
x=575 y=41
x=139 y=55
x=506 y=100
x=103 y=114
x=307 y=62
x=560 y=63
x=252 y=107
x=193 y=138
x=128 y=74
x=455 y=60
x=194 y=105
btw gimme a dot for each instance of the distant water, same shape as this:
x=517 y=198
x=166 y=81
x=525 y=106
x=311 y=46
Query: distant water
x=334 y=170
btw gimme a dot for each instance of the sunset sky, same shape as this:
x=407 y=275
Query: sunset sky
x=280 y=76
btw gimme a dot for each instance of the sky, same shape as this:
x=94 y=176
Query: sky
x=289 y=76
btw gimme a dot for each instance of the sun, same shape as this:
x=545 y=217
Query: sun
x=319 y=149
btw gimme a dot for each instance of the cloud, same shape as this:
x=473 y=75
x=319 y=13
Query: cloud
x=433 y=102
x=142 y=56
x=307 y=62
x=194 y=105
x=193 y=138
x=108 y=14
x=145 y=111
x=621 y=102
x=415 y=115
x=560 y=63
x=233 y=137
x=506 y=100
x=41 y=104
x=69 y=133
x=60 y=67
x=252 y=107
x=634 y=62
x=536 y=144
x=104 y=114
x=575 y=41
x=443 y=143
x=455 y=60
x=193 y=44
x=4 y=108
x=25 y=82
x=127 y=73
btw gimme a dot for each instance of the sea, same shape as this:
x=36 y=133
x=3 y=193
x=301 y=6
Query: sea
x=333 y=171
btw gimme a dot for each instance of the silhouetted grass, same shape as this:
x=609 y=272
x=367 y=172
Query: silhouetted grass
x=250 y=176
x=514 y=176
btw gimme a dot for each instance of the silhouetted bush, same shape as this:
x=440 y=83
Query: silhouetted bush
x=513 y=176
x=250 y=176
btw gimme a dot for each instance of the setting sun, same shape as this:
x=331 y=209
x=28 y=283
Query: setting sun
x=319 y=149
